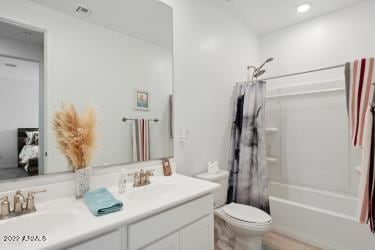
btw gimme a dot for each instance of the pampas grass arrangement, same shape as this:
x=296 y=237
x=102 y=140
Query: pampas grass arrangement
x=76 y=134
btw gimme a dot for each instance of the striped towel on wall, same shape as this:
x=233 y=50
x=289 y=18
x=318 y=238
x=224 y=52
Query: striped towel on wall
x=359 y=76
x=141 y=140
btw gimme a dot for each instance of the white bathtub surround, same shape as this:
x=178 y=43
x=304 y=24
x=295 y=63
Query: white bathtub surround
x=308 y=214
x=63 y=217
x=315 y=191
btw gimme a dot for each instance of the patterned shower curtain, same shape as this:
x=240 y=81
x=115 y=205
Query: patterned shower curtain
x=248 y=181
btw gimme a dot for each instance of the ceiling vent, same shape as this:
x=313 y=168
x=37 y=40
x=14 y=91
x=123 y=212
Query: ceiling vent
x=83 y=10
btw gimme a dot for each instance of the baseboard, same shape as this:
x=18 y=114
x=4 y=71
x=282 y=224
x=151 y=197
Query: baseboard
x=304 y=239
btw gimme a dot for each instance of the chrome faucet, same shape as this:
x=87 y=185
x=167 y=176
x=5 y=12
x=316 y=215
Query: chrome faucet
x=142 y=178
x=21 y=205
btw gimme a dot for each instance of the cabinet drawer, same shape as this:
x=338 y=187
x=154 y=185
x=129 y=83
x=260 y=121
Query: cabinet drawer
x=156 y=227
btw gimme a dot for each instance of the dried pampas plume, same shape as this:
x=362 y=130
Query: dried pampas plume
x=75 y=134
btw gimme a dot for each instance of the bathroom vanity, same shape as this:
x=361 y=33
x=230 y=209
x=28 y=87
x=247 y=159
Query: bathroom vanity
x=171 y=213
x=175 y=228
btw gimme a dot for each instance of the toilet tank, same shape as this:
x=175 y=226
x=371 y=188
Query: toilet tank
x=220 y=195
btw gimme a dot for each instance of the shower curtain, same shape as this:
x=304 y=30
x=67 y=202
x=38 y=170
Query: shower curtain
x=248 y=181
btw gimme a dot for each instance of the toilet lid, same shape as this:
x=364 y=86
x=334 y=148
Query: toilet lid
x=247 y=213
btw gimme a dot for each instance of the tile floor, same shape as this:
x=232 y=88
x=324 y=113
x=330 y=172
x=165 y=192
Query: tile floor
x=275 y=241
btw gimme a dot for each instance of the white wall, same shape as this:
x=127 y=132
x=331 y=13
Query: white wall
x=18 y=109
x=86 y=64
x=328 y=40
x=211 y=52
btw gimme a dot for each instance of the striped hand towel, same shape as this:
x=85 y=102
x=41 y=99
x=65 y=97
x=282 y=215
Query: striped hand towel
x=141 y=140
x=366 y=190
x=363 y=189
x=359 y=75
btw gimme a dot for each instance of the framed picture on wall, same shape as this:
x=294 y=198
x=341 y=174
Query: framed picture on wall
x=142 y=100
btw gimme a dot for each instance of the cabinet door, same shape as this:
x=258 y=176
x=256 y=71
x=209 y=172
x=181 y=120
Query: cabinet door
x=170 y=242
x=112 y=241
x=199 y=235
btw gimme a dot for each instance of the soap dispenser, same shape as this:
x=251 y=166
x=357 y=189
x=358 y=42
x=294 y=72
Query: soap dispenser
x=122 y=181
x=5 y=207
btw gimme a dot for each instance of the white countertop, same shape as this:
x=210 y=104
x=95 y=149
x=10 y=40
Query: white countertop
x=82 y=225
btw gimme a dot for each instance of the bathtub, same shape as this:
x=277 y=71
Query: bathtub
x=322 y=218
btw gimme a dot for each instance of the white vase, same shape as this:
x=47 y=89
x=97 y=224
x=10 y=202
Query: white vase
x=83 y=177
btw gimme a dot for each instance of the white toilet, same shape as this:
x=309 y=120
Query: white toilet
x=247 y=223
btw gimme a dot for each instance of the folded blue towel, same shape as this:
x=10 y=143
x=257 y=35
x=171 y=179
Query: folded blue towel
x=102 y=202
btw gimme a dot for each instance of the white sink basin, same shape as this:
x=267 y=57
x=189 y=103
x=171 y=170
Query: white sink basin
x=37 y=223
x=155 y=192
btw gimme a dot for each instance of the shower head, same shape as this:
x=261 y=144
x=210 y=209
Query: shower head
x=267 y=61
x=259 y=73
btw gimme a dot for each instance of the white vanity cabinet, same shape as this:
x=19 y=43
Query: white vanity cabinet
x=197 y=236
x=111 y=241
x=171 y=242
x=189 y=226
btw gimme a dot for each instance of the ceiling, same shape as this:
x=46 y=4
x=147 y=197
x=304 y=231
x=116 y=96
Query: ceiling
x=264 y=16
x=149 y=20
x=24 y=70
x=20 y=33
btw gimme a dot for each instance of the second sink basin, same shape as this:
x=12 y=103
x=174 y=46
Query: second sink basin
x=37 y=223
x=154 y=192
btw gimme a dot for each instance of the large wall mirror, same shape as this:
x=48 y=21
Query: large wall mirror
x=116 y=57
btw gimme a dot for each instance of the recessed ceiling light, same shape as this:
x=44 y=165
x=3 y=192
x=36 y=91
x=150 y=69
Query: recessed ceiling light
x=303 y=8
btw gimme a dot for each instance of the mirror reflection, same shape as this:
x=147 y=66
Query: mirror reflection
x=126 y=75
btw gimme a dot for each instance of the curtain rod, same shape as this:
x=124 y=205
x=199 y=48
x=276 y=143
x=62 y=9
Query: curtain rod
x=298 y=73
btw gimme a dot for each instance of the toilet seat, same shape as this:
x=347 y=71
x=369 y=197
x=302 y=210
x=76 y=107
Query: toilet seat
x=255 y=225
x=247 y=214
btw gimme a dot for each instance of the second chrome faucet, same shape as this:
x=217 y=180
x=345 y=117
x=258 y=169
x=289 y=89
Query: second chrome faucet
x=142 y=178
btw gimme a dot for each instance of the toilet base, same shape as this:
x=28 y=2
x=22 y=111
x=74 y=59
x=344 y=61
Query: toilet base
x=248 y=243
